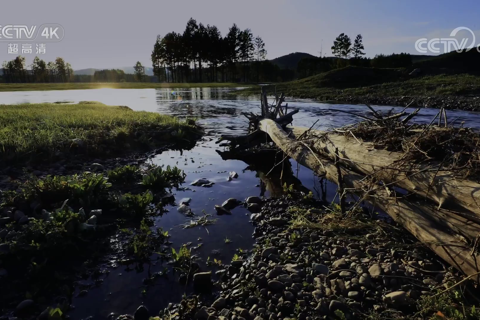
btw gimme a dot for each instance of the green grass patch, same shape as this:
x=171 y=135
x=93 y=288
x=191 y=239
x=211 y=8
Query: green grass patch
x=44 y=132
x=119 y=85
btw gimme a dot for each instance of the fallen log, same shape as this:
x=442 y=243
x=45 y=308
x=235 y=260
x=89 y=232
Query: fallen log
x=419 y=218
x=443 y=187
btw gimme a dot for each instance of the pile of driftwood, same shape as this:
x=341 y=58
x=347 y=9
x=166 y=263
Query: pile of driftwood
x=436 y=166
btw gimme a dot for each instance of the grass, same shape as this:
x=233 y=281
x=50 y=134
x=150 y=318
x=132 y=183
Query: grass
x=340 y=84
x=100 y=85
x=41 y=132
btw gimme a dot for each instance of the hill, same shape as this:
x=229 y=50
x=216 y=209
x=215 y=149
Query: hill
x=452 y=62
x=290 y=61
x=85 y=72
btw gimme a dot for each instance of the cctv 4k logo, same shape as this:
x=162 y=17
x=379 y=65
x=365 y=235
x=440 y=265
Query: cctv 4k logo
x=49 y=32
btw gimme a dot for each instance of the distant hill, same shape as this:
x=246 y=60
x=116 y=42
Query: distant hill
x=452 y=62
x=148 y=71
x=85 y=72
x=127 y=70
x=290 y=61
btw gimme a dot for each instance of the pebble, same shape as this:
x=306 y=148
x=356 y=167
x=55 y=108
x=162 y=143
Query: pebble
x=375 y=271
x=142 y=313
x=396 y=298
x=320 y=268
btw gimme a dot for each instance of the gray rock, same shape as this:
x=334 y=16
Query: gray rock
x=92 y=220
x=219 y=304
x=141 y=313
x=202 y=314
x=202 y=182
x=320 y=268
x=325 y=256
x=185 y=201
x=233 y=175
x=277 y=222
x=337 y=305
x=256 y=200
x=339 y=251
x=97 y=212
x=285 y=278
x=338 y=286
x=396 y=298
x=355 y=295
x=346 y=274
x=184 y=209
x=340 y=264
x=254 y=208
x=202 y=280
x=230 y=204
x=289 y=296
x=96 y=167
x=221 y=210
x=375 y=271
x=317 y=295
x=18 y=215
x=25 y=308
x=357 y=253
x=292 y=268
x=268 y=251
x=242 y=312
x=276 y=285
x=23 y=220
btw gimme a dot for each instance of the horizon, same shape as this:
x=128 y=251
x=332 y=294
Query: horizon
x=97 y=38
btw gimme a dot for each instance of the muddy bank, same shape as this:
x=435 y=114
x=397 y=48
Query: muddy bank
x=309 y=262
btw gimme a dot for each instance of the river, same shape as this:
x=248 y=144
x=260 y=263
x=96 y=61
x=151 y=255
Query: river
x=219 y=113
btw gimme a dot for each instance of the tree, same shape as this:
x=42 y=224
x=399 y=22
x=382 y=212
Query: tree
x=39 y=70
x=139 y=71
x=358 y=47
x=260 y=54
x=158 y=58
x=246 y=49
x=61 y=69
x=342 y=46
x=232 y=47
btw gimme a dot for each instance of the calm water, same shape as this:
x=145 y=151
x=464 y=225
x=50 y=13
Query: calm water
x=219 y=113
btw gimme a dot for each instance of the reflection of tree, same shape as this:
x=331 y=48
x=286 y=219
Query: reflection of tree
x=262 y=161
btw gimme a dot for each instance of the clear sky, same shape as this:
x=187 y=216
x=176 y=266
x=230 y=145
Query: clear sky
x=117 y=33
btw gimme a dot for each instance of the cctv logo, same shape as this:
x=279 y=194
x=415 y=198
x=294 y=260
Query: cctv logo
x=51 y=32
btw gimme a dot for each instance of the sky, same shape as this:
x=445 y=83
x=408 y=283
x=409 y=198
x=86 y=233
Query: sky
x=116 y=33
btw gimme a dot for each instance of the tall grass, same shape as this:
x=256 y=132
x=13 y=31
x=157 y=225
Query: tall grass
x=42 y=131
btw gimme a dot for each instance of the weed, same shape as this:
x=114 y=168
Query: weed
x=136 y=205
x=124 y=175
x=158 y=178
x=227 y=241
x=85 y=190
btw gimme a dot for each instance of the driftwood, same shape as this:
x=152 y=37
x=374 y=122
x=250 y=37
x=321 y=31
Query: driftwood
x=443 y=187
x=424 y=221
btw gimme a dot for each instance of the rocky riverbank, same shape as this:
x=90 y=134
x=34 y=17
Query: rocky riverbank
x=467 y=103
x=311 y=263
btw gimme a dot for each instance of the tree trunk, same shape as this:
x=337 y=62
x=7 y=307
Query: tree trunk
x=418 y=217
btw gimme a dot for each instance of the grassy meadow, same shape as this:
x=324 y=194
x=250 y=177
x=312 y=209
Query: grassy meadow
x=339 y=84
x=113 y=85
x=45 y=131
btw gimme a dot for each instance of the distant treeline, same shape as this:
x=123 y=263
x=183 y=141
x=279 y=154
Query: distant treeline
x=201 y=54
x=15 y=71
x=311 y=66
